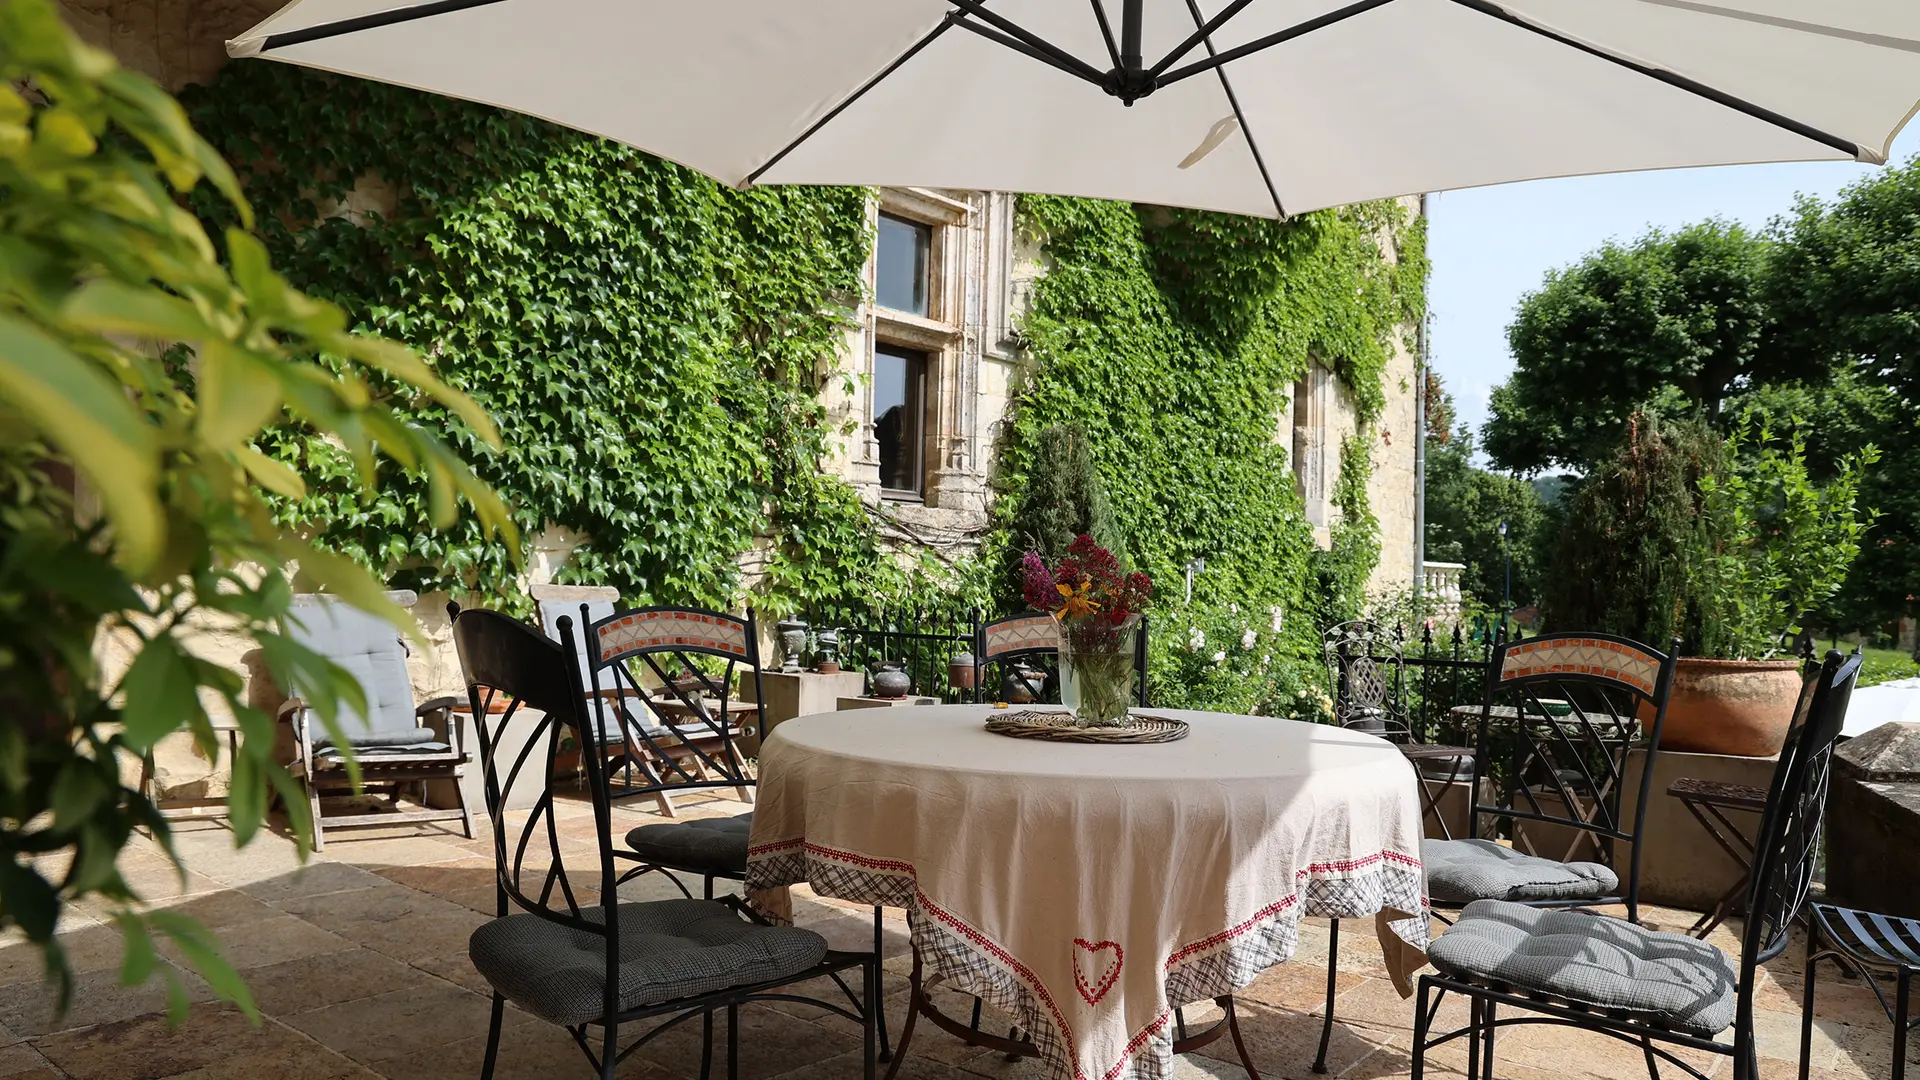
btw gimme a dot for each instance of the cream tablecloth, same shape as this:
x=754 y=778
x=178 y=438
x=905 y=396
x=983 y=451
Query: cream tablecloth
x=1087 y=889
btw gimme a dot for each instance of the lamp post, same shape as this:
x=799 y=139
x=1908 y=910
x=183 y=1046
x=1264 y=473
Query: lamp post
x=1506 y=602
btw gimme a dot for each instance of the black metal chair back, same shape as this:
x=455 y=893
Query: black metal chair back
x=1786 y=847
x=1032 y=640
x=1564 y=711
x=683 y=718
x=1366 y=664
x=523 y=688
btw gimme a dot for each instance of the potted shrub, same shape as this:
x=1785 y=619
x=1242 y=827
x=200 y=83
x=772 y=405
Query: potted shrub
x=1724 y=544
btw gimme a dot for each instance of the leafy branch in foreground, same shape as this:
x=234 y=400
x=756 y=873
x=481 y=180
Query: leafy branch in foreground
x=136 y=371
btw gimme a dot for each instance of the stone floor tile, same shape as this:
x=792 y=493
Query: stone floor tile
x=456 y=968
x=317 y=878
x=848 y=1067
x=420 y=850
x=148 y=1048
x=1282 y=1042
x=22 y=1062
x=302 y=985
x=90 y=946
x=535 y=1051
x=268 y=941
x=1298 y=985
x=771 y=1042
x=400 y=1022
x=384 y=902
x=221 y=909
x=1777 y=1035
x=418 y=937
x=98 y=998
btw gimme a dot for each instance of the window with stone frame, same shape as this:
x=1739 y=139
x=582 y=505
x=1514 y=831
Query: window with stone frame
x=915 y=336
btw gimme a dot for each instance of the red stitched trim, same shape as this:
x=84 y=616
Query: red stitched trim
x=1088 y=992
x=775 y=845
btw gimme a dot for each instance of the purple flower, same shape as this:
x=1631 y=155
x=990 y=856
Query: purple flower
x=1038 y=586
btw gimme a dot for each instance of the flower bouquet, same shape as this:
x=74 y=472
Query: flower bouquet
x=1096 y=608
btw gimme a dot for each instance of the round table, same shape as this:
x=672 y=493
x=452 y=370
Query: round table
x=1089 y=890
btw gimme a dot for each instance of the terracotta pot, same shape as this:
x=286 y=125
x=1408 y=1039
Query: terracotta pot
x=1738 y=707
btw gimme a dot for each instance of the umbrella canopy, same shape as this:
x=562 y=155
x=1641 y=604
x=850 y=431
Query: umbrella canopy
x=1268 y=107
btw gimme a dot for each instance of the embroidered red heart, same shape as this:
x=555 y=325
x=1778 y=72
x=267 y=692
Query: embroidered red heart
x=1094 y=954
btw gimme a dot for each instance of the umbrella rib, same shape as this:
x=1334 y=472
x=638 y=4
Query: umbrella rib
x=1233 y=99
x=1204 y=32
x=1061 y=57
x=1106 y=32
x=1676 y=80
x=369 y=22
x=1078 y=72
x=943 y=26
x=1319 y=22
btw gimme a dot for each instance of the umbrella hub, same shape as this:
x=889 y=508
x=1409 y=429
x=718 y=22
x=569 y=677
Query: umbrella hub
x=1130 y=84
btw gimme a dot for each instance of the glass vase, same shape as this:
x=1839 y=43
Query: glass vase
x=1096 y=668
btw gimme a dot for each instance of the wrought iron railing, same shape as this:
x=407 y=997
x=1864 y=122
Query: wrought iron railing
x=924 y=642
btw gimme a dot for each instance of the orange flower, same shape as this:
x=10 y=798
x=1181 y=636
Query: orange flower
x=1078 y=603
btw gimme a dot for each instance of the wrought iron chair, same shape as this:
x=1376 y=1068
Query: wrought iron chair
x=570 y=952
x=396 y=742
x=1011 y=643
x=682 y=731
x=1645 y=987
x=1711 y=801
x=624 y=752
x=1367 y=667
x=1869 y=942
x=1567 y=710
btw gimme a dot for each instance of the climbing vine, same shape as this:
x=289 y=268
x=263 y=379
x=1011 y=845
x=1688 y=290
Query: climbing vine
x=653 y=345
x=1174 y=338
x=654 y=348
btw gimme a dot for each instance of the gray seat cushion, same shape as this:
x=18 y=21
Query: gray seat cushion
x=370 y=648
x=703 y=845
x=669 y=949
x=1670 y=980
x=1462 y=871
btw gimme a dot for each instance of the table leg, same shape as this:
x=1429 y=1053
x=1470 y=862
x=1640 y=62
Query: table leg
x=916 y=1000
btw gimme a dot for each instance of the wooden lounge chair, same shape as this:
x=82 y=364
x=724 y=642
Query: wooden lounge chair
x=398 y=743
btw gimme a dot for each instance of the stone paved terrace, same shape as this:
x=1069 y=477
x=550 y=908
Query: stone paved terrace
x=358 y=963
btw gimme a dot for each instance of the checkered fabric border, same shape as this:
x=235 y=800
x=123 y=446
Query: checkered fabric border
x=970 y=962
x=657 y=629
x=1231 y=959
x=1020 y=633
x=1582 y=656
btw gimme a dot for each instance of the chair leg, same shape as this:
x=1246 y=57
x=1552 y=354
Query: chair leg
x=313 y=806
x=466 y=815
x=1473 y=1037
x=1420 y=1032
x=609 y=1049
x=1806 y=996
x=706 y=1045
x=493 y=1037
x=1905 y=982
x=1333 y=985
x=1486 y=1068
x=879 y=992
x=870 y=989
x=733 y=1042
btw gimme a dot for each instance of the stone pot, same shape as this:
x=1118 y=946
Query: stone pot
x=792 y=633
x=1737 y=707
x=960 y=670
x=890 y=679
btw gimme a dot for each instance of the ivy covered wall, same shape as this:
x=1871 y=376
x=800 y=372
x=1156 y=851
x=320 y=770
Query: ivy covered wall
x=653 y=345
x=1174 y=338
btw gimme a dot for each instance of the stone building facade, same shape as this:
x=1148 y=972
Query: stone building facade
x=933 y=353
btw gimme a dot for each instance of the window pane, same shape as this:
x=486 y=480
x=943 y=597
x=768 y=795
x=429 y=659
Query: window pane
x=898 y=380
x=902 y=272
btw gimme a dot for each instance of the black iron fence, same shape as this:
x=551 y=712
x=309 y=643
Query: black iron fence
x=1433 y=674
x=922 y=641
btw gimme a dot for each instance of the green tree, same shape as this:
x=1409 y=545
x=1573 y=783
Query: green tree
x=1465 y=506
x=96 y=255
x=1065 y=497
x=1669 y=323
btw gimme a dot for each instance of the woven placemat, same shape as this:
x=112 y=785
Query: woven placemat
x=1062 y=727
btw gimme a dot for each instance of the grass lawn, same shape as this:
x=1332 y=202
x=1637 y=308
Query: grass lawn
x=1884 y=664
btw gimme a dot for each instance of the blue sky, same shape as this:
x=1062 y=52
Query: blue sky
x=1491 y=245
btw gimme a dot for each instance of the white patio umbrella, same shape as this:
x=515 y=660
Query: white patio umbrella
x=1268 y=107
